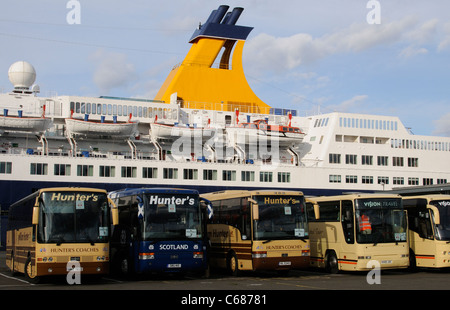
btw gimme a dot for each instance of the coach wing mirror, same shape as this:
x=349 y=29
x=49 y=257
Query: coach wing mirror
x=255 y=208
x=316 y=211
x=114 y=212
x=35 y=219
x=435 y=214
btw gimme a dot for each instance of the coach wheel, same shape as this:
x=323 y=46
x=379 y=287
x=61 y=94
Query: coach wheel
x=13 y=272
x=332 y=263
x=124 y=266
x=412 y=261
x=232 y=264
x=30 y=272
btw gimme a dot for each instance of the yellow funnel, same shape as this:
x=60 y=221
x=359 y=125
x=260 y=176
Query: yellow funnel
x=202 y=80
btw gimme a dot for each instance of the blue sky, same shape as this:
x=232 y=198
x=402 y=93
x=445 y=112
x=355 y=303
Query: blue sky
x=307 y=55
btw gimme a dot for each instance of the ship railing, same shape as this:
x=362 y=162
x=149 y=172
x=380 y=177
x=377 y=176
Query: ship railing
x=140 y=156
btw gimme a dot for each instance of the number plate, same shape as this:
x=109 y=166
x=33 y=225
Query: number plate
x=284 y=263
x=174 y=266
x=386 y=262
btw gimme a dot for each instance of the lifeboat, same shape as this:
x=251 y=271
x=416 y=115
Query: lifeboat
x=253 y=133
x=176 y=131
x=101 y=127
x=24 y=123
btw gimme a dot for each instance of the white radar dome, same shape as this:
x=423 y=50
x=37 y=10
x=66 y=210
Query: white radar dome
x=22 y=74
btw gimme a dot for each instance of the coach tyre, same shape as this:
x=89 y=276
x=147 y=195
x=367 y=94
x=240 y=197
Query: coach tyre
x=30 y=274
x=232 y=264
x=13 y=272
x=332 y=262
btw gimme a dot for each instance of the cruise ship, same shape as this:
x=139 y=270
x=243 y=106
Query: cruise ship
x=205 y=129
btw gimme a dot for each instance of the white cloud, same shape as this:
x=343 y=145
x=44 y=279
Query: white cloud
x=112 y=70
x=445 y=42
x=424 y=33
x=412 y=51
x=442 y=126
x=278 y=54
x=349 y=105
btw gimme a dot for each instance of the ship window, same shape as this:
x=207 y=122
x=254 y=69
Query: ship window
x=128 y=172
x=334 y=178
x=83 y=108
x=351 y=159
x=170 y=173
x=209 y=174
x=265 y=176
x=107 y=171
x=334 y=158
x=248 y=176
x=114 y=109
x=38 y=169
x=229 y=175
x=190 y=174
x=104 y=109
x=382 y=160
x=149 y=172
x=383 y=180
x=88 y=108
x=5 y=167
x=109 y=109
x=398 y=180
x=119 y=110
x=77 y=107
x=284 y=177
x=61 y=169
x=413 y=162
x=427 y=181
x=351 y=179
x=367 y=179
x=413 y=181
x=367 y=160
x=397 y=161
x=227 y=119
x=99 y=109
x=85 y=170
